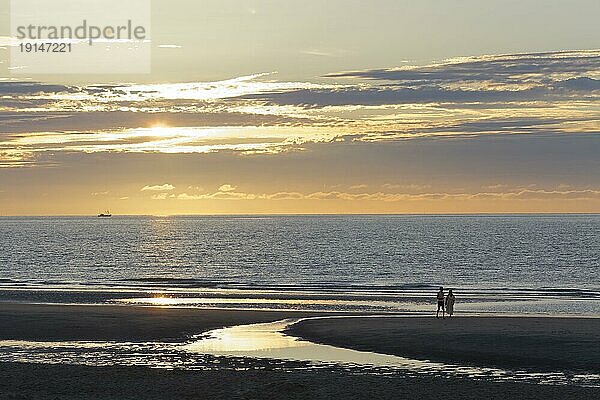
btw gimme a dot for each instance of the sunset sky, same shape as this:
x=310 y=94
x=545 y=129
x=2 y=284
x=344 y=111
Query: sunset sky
x=340 y=106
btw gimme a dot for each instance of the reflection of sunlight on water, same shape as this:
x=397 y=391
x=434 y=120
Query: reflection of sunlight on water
x=257 y=346
x=24 y=344
x=523 y=306
x=247 y=339
x=268 y=341
x=333 y=303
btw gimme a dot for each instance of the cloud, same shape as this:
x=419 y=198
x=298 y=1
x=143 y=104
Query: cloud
x=489 y=79
x=162 y=196
x=497 y=186
x=15 y=121
x=409 y=187
x=218 y=196
x=383 y=95
x=358 y=187
x=519 y=68
x=514 y=194
x=158 y=188
x=20 y=88
x=227 y=188
x=316 y=52
x=539 y=93
x=286 y=196
x=582 y=83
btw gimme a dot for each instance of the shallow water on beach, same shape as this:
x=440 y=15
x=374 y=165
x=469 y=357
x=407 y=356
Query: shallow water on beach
x=261 y=346
x=268 y=341
x=469 y=301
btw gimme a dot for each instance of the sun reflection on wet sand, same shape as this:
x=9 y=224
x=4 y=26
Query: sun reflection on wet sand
x=248 y=339
x=269 y=341
x=259 y=345
x=414 y=303
x=334 y=304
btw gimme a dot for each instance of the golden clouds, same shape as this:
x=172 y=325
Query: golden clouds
x=158 y=188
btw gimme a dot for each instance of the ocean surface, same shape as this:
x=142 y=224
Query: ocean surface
x=514 y=264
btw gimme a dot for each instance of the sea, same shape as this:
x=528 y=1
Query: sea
x=503 y=264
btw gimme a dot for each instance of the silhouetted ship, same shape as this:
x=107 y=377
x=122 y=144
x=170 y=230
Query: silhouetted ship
x=106 y=214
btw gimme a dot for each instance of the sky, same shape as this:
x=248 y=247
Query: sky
x=318 y=107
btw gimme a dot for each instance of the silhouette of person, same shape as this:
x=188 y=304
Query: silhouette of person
x=440 y=300
x=450 y=303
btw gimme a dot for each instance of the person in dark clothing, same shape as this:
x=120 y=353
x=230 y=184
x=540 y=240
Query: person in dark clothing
x=440 y=301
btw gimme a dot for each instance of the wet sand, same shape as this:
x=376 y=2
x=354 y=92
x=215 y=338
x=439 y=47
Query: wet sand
x=263 y=381
x=551 y=344
x=121 y=323
x=45 y=382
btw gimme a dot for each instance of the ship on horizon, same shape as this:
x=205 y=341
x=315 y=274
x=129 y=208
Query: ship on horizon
x=105 y=214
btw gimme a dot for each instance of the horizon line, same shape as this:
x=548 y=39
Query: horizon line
x=303 y=214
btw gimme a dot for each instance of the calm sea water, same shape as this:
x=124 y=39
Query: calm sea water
x=376 y=254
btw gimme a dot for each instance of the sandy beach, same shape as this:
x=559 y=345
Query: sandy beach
x=121 y=323
x=44 y=382
x=551 y=344
x=568 y=342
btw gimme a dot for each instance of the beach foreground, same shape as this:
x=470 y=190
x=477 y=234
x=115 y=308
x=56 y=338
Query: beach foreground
x=541 y=343
x=32 y=381
x=264 y=379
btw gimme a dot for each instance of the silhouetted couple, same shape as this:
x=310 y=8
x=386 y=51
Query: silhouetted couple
x=446 y=304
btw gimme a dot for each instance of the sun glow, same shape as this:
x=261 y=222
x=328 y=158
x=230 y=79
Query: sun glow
x=161 y=300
